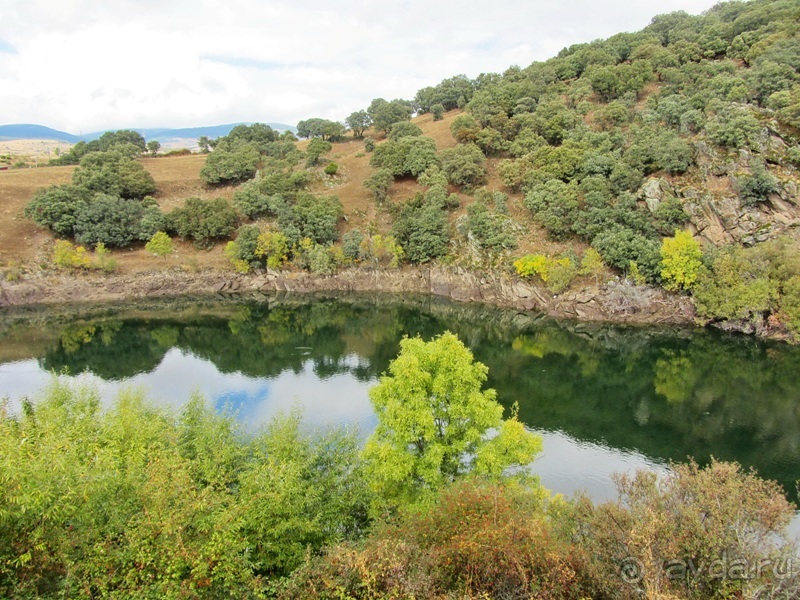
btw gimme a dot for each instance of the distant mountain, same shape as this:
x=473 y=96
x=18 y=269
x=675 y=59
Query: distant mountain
x=36 y=132
x=39 y=132
x=163 y=134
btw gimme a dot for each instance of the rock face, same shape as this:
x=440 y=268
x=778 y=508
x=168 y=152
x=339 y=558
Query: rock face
x=713 y=206
x=614 y=301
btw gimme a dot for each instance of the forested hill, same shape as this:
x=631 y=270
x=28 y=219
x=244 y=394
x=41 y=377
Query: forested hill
x=667 y=156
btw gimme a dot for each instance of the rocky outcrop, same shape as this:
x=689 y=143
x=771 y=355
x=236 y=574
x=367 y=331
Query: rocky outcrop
x=614 y=301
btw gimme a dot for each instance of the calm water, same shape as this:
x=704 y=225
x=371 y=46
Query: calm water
x=604 y=398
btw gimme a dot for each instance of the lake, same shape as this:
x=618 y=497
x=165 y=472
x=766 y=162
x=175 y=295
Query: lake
x=604 y=398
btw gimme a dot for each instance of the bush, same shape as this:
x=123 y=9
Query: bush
x=422 y=232
x=68 y=256
x=406 y=156
x=203 y=220
x=115 y=174
x=351 y=244
x=681 y=262
x=556 y=273
x=230 y=164
x=403 y=129
x=379 y=183
x=381 y=250
x=492 y=231
x=160 y=244
x=273 y=247
x=437 y=110
x=331 y=169
x=464 y=165
x=56 y=208
x=757 y=187
x=555 y=206
x=313 y=218
x=369 y=144
x=619 y=245
x=110 y=220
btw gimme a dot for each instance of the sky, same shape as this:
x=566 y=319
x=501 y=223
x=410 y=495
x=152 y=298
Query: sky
x=89 y=65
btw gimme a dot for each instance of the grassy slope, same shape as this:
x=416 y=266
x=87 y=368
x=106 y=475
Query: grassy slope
x=177 y=178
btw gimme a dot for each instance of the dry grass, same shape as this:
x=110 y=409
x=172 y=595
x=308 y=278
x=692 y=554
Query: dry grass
x=177 y=178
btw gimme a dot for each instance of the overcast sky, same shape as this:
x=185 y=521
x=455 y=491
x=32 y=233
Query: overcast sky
x=88 y=65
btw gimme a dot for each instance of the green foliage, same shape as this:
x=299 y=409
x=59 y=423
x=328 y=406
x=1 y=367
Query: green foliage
x=57 y=207
x=112 y=172
x=321 y=128
x=242 y=251
x=358 y=122
x=556 y=273
x=734 y=126
x=384 y=114
x=403 y=129
x=422 y=231
x=492 y=230
x=381 y=250
x=316 y=148
x=160 y=244
x=738 y=286
x=351 y=244
x=464 y=165
x=437 y=110
x=369 y=144
x=379 y=183
x=331 y=169
x=756 y=187
x=554 y=205
x=313 y=218
x=619 y=246
x=273 y=247
x=433 y=417
x=97 y=501
x=231 y=163
x=203 y=220
x=153 y=146
x=406 y=156
x=681 y=262
x=109 y=220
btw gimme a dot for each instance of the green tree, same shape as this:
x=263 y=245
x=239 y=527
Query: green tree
x=204 y=144
x=56 y=208
x=433 y=420
x=437 y=110
x=160 y=244
x=153 y=146
x=379 y=183
x=464 y=165
x=316 y=148
x=358 y=122
x=110 y=220
x=681 y=262
x=385 y=114
x=230 y=164
x=203 y=220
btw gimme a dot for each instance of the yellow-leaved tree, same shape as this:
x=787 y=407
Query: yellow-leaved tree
x=681 y=262
x=434 y=424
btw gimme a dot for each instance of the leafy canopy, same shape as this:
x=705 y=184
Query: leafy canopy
x=433 y=420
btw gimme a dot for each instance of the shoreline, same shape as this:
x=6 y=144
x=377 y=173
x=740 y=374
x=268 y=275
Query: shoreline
x=613 y=302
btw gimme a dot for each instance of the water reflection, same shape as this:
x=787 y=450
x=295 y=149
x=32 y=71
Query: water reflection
x=605 y=398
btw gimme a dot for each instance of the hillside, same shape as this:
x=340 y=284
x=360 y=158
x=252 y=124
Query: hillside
x=585 y=166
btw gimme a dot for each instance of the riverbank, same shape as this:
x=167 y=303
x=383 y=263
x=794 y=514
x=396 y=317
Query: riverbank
x=614 y=301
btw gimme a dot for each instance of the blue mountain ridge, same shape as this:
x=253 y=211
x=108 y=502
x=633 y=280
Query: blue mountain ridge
x=40 y=132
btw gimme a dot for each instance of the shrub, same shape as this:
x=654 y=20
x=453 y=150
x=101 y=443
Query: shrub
x=381 y=250
x=619 y=245
x=369 y=144
x=422 y=232
x=406 y=156
x=757 y=187
x=403 y=129
x=109 y=220
x=351 y=244
x=68 y=256
x=273 y=247
x=492 y=231
x=464 y=165
x=203 y=220
x=160 y=244
x=331 y=169
x=313 y=218
x=56 y=208
x=556 y=273
x=379 y=183
x=230 y=163
x=437 y=110
x=681 y=262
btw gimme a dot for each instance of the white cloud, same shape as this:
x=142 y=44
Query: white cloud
x=84 y=65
